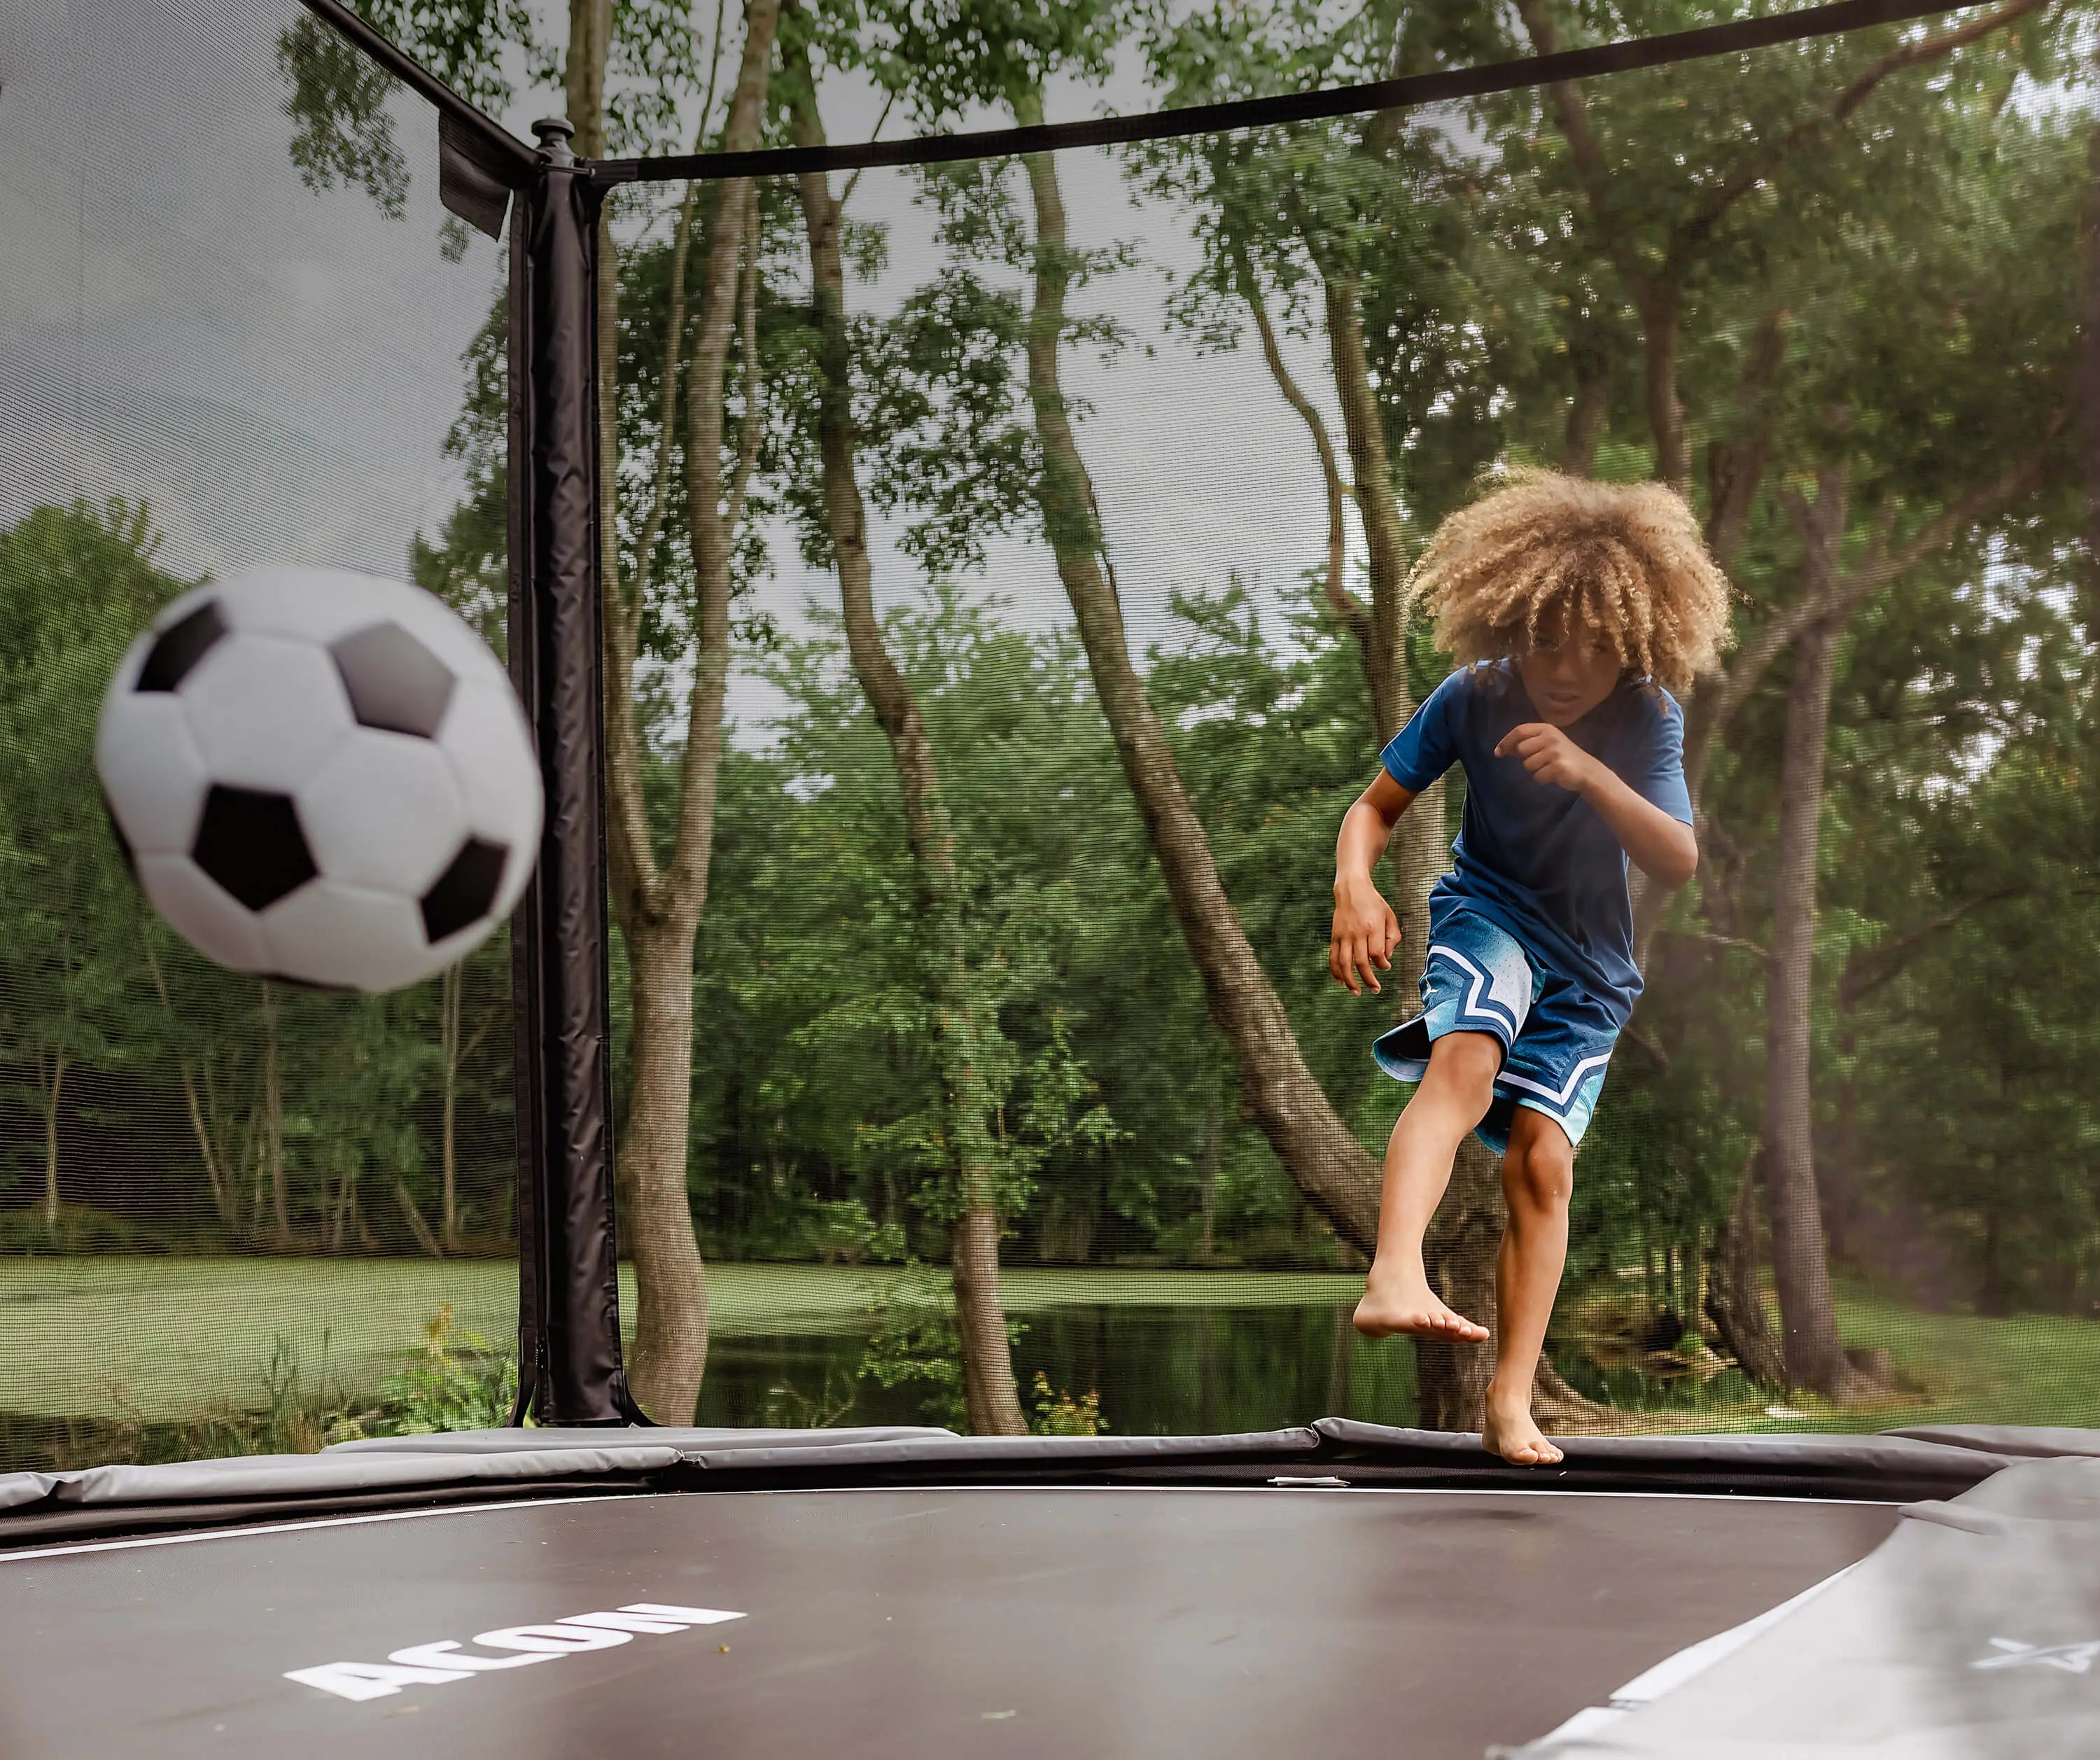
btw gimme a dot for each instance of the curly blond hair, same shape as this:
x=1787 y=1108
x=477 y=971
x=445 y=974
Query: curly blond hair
x=1544 y=557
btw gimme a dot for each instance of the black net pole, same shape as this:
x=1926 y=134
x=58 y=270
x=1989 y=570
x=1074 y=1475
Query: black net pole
x=569 y=1360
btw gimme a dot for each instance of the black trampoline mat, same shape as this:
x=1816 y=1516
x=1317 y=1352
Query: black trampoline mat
x=1064 y=1623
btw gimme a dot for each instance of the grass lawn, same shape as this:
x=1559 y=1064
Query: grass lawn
x=166 y=1339
x=1958 y=1369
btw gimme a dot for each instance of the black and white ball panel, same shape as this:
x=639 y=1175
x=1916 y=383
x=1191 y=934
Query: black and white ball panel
x=177 y=649
x=266 y=713
x=394 y=681
x=251 y=842
x=155 y=770
x=321 y=775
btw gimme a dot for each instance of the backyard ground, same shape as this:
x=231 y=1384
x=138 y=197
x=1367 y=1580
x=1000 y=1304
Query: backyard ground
x=161 y=1340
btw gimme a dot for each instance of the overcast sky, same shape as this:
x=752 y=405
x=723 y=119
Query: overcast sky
x=274 y=369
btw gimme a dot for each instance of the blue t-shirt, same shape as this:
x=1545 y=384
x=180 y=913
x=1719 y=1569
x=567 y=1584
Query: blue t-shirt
x=1532 y=856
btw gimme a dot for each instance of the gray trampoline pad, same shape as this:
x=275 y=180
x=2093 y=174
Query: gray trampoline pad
x=918 y=1623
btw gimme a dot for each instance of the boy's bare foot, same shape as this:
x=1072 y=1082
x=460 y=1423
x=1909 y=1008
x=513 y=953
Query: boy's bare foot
x=1411 y=1308
x=1511 y=1434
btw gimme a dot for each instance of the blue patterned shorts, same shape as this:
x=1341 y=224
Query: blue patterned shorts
x=1556 y=1039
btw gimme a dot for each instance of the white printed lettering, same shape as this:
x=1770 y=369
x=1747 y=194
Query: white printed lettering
x=370 y=1680
x=552 y=1639
x=448 y=1655
x=683 y=1616
x=622 y=1622
x=434 y=1664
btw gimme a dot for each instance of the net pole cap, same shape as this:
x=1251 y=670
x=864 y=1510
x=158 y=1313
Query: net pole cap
x=555 y=133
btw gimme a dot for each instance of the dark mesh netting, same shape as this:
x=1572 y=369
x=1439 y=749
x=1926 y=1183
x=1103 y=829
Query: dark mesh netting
x=1006 y=592
x=1056 y=517
x=240 y=332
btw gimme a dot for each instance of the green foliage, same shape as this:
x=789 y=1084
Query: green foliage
x=913 y=1342
x=1054 y=1412
x=458 y=1382
x=121 y=1050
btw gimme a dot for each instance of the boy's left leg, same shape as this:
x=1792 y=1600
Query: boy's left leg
x=1538 y=1178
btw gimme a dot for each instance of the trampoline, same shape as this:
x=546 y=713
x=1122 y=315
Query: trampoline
x=901 y=1592
x=587 y=1583
x=896 y=1622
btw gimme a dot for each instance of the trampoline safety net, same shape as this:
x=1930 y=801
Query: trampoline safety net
x=1005 y=574
x=239 y=333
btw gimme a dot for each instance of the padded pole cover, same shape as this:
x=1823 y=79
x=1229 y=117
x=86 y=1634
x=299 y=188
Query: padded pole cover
x=569 y=1361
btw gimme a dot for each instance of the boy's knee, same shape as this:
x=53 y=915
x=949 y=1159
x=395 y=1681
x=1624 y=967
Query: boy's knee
x=1466 y=1064
x=1538 y=1172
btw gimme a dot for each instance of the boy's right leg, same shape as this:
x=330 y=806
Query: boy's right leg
x=1453 y=1098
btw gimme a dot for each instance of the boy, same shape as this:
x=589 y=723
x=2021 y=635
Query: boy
x=1569 y=605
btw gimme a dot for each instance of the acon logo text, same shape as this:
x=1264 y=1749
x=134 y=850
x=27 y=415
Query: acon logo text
x=519 y=1646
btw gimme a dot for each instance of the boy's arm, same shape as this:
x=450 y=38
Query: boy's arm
x=1662 y=848
x=1366 y=931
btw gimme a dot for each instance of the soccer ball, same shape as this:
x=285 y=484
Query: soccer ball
x=321 y=776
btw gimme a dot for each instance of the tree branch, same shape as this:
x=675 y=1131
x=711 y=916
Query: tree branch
x=1847 y=592
x=1353 y=616
x=1735 y=469
x=1648 y=1042
x=1730 y=943
x=1755 y=169
x=712 y=535
x=630 y=847
x=413 y=1215
x=629 y=606
x=1937 y=533
x=752 y=425
x=1870 y=967
x=875 y=133
x=1587 y=151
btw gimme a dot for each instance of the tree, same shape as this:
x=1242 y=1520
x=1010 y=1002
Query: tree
x=1018 y=50
x=1751 y=235
x=961 y=1016
x=73 y=583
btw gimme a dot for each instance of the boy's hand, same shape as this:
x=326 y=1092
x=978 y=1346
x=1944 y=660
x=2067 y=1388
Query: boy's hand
x=1550 y=757
x=1364 y=935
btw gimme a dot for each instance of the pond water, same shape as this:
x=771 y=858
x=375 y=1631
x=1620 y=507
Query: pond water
x=1158 y=1370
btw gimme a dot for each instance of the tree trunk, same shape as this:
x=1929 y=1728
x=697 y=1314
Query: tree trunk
x=993 y=1406
x=1735 y=1306
x=212 y=1149
x=1459 y=1253
x=1323 y=1157
x=2087 y=394
x=1209 y=1158
x=659 y=906
x=1385 y=654
x=1421 y=849
x=219 y=1168
x=1991 y=1292
x=412 y=1213
x=670 y=1351
x=1588 y=410
x=52 y=1094
x=990 y=1400
x=448 y=1042
x=1665 y=407
x=273 y=1124
x=1812 y=1355
x=337 y=1229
